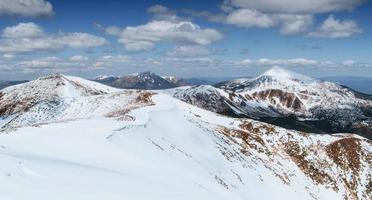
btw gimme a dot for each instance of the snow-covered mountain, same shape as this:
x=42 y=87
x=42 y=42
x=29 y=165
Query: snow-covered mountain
x=59 y=98
x=282 y=93
x=69 y=138
x=144 y=80
x=176 y=81
x=293 y=93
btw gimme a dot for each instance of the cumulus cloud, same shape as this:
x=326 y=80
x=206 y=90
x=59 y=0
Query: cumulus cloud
x=249 y=18
x=144 y=37
x=289 y=16
x=28 y=8
x=334 y=28
x=188 y=51
x=22 y=30
x=288 y=23
x=295 y=24
x=29 y=37
x=161 y=12
x=294 y=6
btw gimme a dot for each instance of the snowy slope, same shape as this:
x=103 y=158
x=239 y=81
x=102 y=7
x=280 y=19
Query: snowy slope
x=60 y=98
x=282 y=93
x=222 y=101
x=162 y=148
x=291 y=92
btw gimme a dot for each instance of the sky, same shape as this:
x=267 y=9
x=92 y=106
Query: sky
x=185 y=38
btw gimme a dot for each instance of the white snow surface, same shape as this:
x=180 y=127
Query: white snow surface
x=282 y=73
x=168 y=150
x=311 y=92
x=286 y=91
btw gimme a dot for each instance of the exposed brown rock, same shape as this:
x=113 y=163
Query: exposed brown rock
x=308 y=167
x=287 y=99
x=345 y=153
x=144 y=97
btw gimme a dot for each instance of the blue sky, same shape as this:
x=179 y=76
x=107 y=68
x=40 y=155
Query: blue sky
x=186 y=38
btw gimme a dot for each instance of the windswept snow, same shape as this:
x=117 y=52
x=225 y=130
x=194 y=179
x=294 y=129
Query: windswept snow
x=282 y=73
x=167 y=149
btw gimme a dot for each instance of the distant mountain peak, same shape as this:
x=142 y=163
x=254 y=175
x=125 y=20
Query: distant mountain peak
x=144 y=80
x=279 y=72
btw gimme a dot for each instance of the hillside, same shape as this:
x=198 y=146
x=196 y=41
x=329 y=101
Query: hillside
x=132 y=144
x=290 y=100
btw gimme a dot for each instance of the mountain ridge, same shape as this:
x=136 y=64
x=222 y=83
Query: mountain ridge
x=281 y=94
x=125 y=142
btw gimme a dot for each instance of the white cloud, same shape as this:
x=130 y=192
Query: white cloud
x=78 y=58
x=285 y=62
x=289 y=16
x=281 y=62
x=334 y=28
x=188 y=51
x=144 y=37
x=295 y=24
x=8 y=56
x=162 y=13
x=28 y=8
x=294 y=6
x=112 y=30
x=193 y=66
x=78 y=40
x=29 y=37
x=348 y=62
x=22 y=30
x=288 y=23
x=40 y=63
x=249 y=18
x=245 y=62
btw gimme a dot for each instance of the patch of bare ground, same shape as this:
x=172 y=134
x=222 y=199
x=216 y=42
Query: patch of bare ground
x=144 y=97
x=250 y=141
x=121 y=115
x=346 y=154
x=310 y=167
x=10 y=108
x=338 y=165
x=287 y=99
x=262 y=128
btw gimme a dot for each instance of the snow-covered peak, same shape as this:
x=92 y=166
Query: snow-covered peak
x=58 y=85
x=279 y=72
x=54 y=87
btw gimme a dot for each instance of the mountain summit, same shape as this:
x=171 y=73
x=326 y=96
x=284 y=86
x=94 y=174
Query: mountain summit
x=290 y=99
x=144 y=80
x=281 y=73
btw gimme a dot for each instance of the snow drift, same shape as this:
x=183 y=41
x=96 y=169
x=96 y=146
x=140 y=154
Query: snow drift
x=130 y=144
